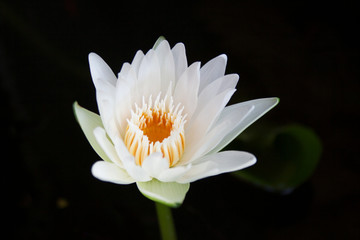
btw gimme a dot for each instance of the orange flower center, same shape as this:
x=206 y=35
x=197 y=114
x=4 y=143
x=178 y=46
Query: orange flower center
x=157 y=127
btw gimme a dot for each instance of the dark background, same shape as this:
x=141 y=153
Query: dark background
x=305 y=52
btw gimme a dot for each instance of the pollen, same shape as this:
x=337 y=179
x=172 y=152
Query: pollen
x=156 y=127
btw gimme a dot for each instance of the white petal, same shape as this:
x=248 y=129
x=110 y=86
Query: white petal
x=104 y=81
x=171 y=194
x=212 y=70
x=167 y=65
x=162 y=50
x=216 y=87
x=174 y=173
x=109 y=172
x=179 y=59
x=100 y=72
x=221 y=129
x=88 y=122
x=158 y=41
x=124 y=70
x=218 y=163
x=107 y=146
x=149 y=76
x=209 y=113
x=199 y=125
x=130 y=75
x=135 y=171
x=124 y=102
x=106 y=108
x=186 y=90
x=137 y=60
x=168 y=74
x=127 y=85
x=154 y=164
x=261 y=106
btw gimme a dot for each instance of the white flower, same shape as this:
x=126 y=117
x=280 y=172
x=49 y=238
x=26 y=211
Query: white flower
x=162 y=123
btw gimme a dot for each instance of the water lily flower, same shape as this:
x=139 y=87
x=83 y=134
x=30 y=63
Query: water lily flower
x=162 y=123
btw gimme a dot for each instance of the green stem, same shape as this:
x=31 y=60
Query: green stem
x=166 y=223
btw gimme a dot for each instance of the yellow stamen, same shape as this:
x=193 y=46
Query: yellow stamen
x=156 y=128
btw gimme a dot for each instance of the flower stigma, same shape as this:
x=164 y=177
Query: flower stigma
x=156 y=127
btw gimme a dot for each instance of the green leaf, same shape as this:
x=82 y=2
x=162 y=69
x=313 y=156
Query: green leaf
x=171 y=194
x=88 y=122
x=285 y=160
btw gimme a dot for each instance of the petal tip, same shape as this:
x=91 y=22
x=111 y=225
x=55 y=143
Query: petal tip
x=275 y=101
x=76 y=108
x=75 y=104
x=252 y=161
x=223 y=56
x=92 y=56
x=158 y=41
x=236 y=75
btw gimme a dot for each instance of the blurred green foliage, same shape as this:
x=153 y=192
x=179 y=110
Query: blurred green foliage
x=287 y=157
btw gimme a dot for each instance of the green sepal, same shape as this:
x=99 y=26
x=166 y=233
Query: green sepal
x=171 y=194
x=88 y=121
